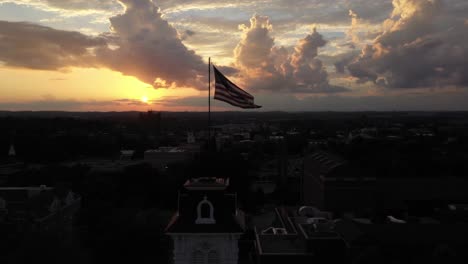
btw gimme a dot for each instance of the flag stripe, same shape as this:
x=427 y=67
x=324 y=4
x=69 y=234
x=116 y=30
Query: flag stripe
x=234 y=87
x=245 y=106
x=220 y=78
x=234 y=103
x=230 y=93
x=222 y=88
x=225 y=97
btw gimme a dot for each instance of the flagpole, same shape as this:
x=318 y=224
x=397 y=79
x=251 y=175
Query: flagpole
x=209 y=102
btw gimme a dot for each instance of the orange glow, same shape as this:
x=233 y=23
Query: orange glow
x=89 y=85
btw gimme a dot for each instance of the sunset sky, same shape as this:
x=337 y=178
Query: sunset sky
x=292 y=55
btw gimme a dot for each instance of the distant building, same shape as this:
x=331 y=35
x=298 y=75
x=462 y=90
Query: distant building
x=9 y=170
x=422 y=240
x=163 y=156
x=207 y=226
x=299 y=238
x=222 y=141
x=151 y=121
x=319 y=167
x=191 y=138
x=37 y=209
x=126 y=154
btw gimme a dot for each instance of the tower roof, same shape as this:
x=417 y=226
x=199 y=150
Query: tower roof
x=206 y=183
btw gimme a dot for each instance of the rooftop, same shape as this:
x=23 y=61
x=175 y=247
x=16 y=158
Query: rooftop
x=300 y=236
x=206 y=183
x=165 y=150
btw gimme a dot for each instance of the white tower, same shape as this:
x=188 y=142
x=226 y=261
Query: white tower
x=206 y=228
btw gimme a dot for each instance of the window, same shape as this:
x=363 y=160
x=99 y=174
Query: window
x=205 y=212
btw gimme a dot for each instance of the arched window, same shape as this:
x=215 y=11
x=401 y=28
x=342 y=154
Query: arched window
x=205 y=212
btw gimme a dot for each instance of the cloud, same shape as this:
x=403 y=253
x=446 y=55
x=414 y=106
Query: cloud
x=149 y=48
x=187 y=34
x=422 y=44
x=68 y=4
x=37 y=47
x=265 y=66
x=302 y=11
x=140 y=44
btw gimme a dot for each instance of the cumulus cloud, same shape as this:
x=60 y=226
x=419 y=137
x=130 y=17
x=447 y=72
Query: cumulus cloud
x=140 y=44
x=265 y=66
x=37 y=47
x=422 y=44
x=149 y=48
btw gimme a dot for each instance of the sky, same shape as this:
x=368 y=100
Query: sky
x=292 y=55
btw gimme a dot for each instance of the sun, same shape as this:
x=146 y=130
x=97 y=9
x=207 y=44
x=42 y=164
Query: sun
x=144 y=99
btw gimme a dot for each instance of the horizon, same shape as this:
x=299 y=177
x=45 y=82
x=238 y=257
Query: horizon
x=132 y=55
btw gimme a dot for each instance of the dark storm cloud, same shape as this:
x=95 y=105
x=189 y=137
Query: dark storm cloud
x=424 y=44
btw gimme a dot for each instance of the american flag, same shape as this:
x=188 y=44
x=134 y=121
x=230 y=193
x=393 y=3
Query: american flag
x=230 y=93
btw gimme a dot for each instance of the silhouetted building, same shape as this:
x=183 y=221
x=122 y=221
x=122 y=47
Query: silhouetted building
x=126 y=154
x=421 y=240
x=299 y=238
x=320 y=170
x=151 y=121
x=163 y=156
x=207 y=225
x=39 y=209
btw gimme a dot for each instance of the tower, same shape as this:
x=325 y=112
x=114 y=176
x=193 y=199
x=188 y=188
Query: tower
x=12 y=151
x=207 y=225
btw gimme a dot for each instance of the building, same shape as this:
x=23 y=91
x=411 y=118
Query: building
x=37 y=209
x=126 y=154
x=320 y=168
x=296 y=236
x=334 y=184
x=207 y=226
x=163 y=156
x=10 y=170
x=419 y=239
